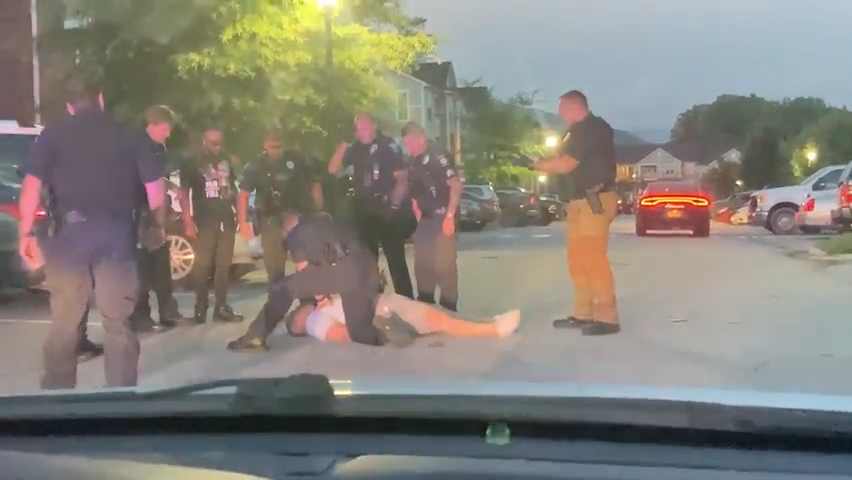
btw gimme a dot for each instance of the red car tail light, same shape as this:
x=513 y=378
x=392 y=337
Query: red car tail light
x=845 y=195
x=656 y=200
x=41 y=212
x=809 y=205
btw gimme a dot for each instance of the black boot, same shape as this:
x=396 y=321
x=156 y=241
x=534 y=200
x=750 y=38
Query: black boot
x=200 y=315
x=224 y=313
x=571 y=322
x=88 y=350
x=248 y=344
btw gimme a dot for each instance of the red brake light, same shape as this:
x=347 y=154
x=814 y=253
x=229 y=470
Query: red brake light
x=809 y=205
x=845 y=195
x=655 y=200
x=41 y=212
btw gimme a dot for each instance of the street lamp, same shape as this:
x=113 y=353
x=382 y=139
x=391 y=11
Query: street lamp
x=542 y=179
x=328 y=6
x=551 y=141
x=811 y=155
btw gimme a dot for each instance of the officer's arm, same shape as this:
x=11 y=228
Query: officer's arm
x=248 y=184
x=400 y=173
x=151 y=173
x=183 y=194
x=42 y=157
x=565 y=160
x=448 y=171
x=342 y=158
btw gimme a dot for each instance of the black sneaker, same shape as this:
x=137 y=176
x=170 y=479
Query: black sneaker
x=596 y=329
x=248 y=344
x=172 y=320
x=571 y=322
x=225 y=314
x=143 y=323
x=397 y=332
x=200 y=315
x=88 y=350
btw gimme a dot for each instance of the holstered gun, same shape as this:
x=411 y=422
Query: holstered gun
x=593 y=196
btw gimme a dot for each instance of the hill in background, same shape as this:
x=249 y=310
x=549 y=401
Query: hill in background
x=552 y=121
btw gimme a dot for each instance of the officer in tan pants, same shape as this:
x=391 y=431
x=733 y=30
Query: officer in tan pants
x=586 y=162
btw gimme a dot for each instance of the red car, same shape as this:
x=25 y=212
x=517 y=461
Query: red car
x=673 y=206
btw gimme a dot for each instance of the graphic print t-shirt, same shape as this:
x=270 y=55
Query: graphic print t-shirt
x=213 y=187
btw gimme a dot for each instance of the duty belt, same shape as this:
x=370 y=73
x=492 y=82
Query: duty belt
x=77 y=216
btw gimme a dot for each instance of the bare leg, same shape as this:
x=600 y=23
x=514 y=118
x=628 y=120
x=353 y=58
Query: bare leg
x=428 y=319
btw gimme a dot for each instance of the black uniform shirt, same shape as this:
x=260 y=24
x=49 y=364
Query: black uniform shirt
x=211 y=180
x=375 y=165
x=427 y=178
x=280 y=184
x=93 y=164
x=592 y=142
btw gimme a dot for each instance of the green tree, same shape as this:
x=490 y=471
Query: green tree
x=763 y=162
x=248 y=65
x=828 y=139
x=722 y=180
x=496 y=132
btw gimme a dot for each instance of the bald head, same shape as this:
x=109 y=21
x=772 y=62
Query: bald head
x=573 y=106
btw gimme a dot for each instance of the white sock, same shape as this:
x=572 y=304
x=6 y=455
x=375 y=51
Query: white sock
x=507 y=323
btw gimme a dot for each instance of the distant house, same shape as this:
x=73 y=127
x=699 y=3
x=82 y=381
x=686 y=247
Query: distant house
x=671 y=161
x=431 y=97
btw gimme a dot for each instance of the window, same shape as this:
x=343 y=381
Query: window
x=831 y=179
x=402 y=107
x=648 y=170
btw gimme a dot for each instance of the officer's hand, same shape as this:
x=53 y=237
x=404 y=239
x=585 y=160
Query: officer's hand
x=247 y=231
x=30 y=253
x=417 y=212
x=342 y=147
x=190 y=230
x=449 y=225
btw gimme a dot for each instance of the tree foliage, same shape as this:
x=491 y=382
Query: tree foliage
x=498 y=130
x=248 y=65
x=775 y=135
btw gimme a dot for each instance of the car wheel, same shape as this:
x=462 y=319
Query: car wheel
x=702 y=230
x=181 y=256
x=782 y=221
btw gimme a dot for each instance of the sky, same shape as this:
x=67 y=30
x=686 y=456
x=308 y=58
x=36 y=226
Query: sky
x=642 y=62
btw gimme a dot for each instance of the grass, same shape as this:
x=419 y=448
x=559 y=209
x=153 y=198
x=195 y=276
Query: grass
x=837 y=245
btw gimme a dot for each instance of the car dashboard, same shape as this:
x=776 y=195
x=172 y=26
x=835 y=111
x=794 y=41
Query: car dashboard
x=466 y=453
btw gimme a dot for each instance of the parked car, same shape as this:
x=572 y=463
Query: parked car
x=487 y=200
x=729 y=206
x=518 y=208
x=668 y=205
x=775 y=208
x=814 y=214
x=551 y=207
x=470 y=216
x=841 y=213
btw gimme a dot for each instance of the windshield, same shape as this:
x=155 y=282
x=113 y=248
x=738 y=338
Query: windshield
x=473 y=160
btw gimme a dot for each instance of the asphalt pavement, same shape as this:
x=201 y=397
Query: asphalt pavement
x=736 y=310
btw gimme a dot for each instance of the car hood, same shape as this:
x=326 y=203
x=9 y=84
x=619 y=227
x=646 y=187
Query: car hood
x=369 y=387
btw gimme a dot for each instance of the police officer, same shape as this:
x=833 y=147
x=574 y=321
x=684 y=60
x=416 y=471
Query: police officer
x=435 y=190
x=209 y=221
x=283 y=181
x=380 y=180
x=92 y=235
x=328 y=261
x=155 y=265
x=586 y=162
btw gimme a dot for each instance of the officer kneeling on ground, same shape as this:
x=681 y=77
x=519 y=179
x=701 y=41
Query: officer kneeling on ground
x=328 y=262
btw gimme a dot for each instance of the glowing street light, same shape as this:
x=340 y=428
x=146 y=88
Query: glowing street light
x=542 y=179
x=326 y=3
x=811 y=155
x=551 y=141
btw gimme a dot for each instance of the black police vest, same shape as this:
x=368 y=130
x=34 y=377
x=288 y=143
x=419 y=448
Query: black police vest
x=430 y=192
x=322 y=240
x=280 y=187
x=372 y=169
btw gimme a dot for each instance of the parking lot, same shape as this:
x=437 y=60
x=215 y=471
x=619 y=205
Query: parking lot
x=734 y=310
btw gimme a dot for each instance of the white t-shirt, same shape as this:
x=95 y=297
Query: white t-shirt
x=323 y=318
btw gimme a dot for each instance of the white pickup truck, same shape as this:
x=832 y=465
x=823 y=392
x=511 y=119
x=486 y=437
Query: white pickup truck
x=775 y=208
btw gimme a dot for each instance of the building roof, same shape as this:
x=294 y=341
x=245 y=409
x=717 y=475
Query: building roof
x=437 y=74
x=685 y=151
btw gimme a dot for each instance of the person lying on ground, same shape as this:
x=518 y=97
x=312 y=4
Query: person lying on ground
x=402 y=319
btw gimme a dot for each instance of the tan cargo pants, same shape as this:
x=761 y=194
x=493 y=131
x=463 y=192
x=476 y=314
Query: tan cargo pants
x=588 y=265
